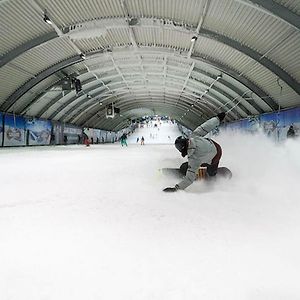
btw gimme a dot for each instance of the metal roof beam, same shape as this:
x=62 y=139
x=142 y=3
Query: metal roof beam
x=27 y=106
x=214 y=98
x=243 y=80
x=233 y=88
x=205 y=7
x=204 y=107
x=254 y=55
x=52 y=102
x=193 y=80
x=14 y=53
x=133 y=105
x=91 y=111
x=278 y=10
x=113 y=124
x=64 y=105
x=238 y=77
x=81 y=102
x=13 y=98
x=186 y=94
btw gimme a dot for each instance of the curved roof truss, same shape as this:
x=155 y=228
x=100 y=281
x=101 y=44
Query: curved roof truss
x=130 y=58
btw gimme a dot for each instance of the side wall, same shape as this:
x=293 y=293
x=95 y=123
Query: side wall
x=275 y=125
x=28 y=131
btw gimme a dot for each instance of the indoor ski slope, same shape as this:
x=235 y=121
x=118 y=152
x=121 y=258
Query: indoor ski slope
x=93 y=223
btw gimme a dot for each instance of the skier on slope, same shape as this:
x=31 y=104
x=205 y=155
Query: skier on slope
x=200 y=151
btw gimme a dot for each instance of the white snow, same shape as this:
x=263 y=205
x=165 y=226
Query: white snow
x=93 y=223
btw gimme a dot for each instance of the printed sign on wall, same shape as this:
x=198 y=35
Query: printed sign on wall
x=58 y=133
x=39 y=131
x=277 y=124
x=72 y=134
x=14 y=130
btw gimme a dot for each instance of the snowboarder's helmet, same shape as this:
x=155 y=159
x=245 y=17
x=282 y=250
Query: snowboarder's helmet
x=181 y=143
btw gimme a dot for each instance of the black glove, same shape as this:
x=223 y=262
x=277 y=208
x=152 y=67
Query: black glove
x=221 y=116
x=170 y=189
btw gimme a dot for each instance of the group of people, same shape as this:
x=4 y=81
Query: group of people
x=123 y=140
x=142 y=140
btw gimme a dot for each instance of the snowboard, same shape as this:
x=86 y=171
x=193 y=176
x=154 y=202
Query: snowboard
x=179 y=173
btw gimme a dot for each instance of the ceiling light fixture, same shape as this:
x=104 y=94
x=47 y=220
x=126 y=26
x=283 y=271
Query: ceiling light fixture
x=47 y=19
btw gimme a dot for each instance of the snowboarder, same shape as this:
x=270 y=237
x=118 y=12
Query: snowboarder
x=123 y=140
x=291 y=132
x=201 y=152
x=86 y=140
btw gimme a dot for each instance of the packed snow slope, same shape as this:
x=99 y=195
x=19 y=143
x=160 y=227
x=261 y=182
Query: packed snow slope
x=93 y=223
x=164 y=132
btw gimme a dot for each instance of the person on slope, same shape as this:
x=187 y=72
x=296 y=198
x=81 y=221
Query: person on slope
x=123 y=140
x=200 y=151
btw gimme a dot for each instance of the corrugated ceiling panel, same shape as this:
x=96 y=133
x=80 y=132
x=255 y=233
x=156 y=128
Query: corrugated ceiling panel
x=19 y=22
x=162 y=38
x=117 y=37
x=42 y=102
x=287 y=55
x=268 y=81
x=113 y=38
x=68 y=12
x=258 y=74
x=179 y=63
x=227 y=90
x=40 y=58
x=91 y=45
x=64 y=110
x=237 y=98
x=153 y=59
x=245 y=24
x=100 y=66
x=222 y=53
x=153 y=69
x=77 y=68
x=35 y=92
x=187 y=12
x=263 y=33
x=10 y=80
x=293 y=5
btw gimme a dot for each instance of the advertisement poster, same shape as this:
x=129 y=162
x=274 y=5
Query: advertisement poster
x=39 y=132
x=14 y=130
x=1 y=128
x=97 y=136
x=57 y=133
x=72 y=134
x=276 y=125
x=103 y=136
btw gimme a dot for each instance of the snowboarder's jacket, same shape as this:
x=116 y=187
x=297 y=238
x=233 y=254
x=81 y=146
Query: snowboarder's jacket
x=200 y=150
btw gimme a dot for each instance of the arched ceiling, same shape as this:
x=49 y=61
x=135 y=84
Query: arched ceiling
x=140 y=56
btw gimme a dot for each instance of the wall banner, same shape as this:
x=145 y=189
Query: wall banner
x=72 y=134
x=57 y=133
x=38 y=131
x=277 y=124
x=14 y=130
